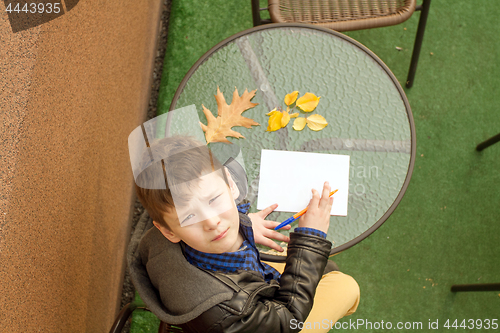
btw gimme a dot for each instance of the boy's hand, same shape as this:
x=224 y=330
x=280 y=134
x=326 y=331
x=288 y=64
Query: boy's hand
x=263 y=230
x=318 y=213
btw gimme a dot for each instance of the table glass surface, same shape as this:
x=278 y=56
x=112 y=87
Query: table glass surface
x=366 y=112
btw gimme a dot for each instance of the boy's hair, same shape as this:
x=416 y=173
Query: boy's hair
x=184 y=159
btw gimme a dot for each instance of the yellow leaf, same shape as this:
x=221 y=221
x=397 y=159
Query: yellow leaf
x=294 y=115
x=316 y=122
x=299 y=124
x=291 y=97
x=217 y=129
x=274 y=121
x=271 y=112
x=308 y=102
x=285 y=119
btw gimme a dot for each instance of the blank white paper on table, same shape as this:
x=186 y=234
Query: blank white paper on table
x=287 y=177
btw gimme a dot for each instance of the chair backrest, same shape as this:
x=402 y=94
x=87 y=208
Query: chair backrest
x=342 y=15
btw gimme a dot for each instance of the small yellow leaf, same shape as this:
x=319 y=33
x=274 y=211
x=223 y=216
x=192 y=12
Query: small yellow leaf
x=316 y=122
x=291 y=97
x=274 y=121
x=294 y=115
x=308 y=102
x=271 y=112
x=285 y=119
x=299 y=124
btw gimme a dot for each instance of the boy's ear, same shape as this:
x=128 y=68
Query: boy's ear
x=167 y=233
x=232 y=185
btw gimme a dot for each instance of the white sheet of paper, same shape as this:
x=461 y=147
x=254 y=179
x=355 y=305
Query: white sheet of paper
x=287 y=177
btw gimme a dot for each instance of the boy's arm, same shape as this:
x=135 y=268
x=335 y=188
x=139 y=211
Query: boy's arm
x=291 y=303
x=306 y=260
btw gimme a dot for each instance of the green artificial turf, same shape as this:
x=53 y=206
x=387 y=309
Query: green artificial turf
x=445 y=230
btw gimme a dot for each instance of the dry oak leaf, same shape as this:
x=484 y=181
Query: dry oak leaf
x=217 y=129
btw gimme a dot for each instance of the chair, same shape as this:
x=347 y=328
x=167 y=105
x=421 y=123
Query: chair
x=348 y=15
x=476 y=287
x=138 y=273
x=125 y=314
x=480 y=286
x=142 y=226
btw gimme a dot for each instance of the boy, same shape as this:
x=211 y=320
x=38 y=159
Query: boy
x=202 y=260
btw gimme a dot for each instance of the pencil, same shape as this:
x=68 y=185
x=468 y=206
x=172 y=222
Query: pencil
x=297 y=215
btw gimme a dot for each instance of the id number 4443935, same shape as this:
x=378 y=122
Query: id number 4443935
x=472 y=324
x=34 y=7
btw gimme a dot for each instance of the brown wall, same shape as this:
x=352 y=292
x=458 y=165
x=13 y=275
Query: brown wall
x=71 y=91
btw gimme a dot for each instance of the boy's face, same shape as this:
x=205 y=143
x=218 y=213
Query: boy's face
x=209 y=222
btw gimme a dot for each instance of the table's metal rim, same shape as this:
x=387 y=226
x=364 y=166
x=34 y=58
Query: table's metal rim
x=396 y=202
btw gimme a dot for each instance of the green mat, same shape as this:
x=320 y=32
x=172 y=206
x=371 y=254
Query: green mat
x=445 y=230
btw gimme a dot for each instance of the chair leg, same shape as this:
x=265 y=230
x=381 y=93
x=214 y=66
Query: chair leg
x=167 y=328
x=476 y=287
x=122 y=318
x=487 y=143
x=256 y=12
x=418 y=42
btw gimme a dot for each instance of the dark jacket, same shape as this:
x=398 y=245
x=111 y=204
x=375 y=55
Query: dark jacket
x=203 y=301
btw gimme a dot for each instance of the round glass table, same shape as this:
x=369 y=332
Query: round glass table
x=367 y=110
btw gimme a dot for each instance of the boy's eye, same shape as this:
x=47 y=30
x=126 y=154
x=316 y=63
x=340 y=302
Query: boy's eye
x=188 y=217
x=213 y=199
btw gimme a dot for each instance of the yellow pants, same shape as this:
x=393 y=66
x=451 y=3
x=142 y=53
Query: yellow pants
x=337 y=295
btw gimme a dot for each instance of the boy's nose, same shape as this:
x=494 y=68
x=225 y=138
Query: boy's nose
x=211 y=222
